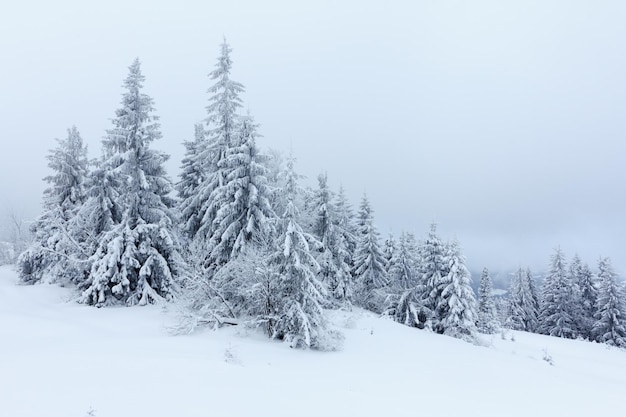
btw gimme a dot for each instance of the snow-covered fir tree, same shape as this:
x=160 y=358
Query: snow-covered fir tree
x=341 y=284
x=102 y=210
x=333 y=257
x=323 y=228
x=456 y=307
x=300 y=319
x=70 y=166
x=558 y=301
x=222 y=134
x=57 y=249
x=138 y=261
x=523 y=306
x=225 y=282
x=534 y=298
x=433 y=270
x=191 y=177
x=403 y=264
x=406 y=308
x=610 y=325
x=323 y=210
x=502 y=309
x=587 y=295
x=243 y=214
x=345 y=220
x=404 y=299
x=369 y=262
x=388 y=251
x=487 y=314
x=515 y=312
x=342 y=287
x=275 y=179
x=442 y=297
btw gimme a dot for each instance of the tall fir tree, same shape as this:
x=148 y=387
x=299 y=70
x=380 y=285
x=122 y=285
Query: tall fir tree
x=502 y=309
x=456 y=307
x=323 y=210
x=388 y=251
x=515 y=319
x=342 y=287
x=345 y=221
x=534 y=301
x=369 y=262
x=138 y=261
x=69 y=162
x=433 y=271
x=102 y=210
x=300 y=319
x=609 y=327
x=587 y=296
x=556 y=316
x=243 y=214
x=57 y=248
x=487 y=315
x=403 y=301
x=333 y=258
x=323 y=228
x=403 y=264
x=276 y=180
x=191 y=177
x=223 y=127
x=523 y=306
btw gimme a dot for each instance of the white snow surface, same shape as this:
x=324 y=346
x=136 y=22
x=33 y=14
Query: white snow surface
x=59 y=358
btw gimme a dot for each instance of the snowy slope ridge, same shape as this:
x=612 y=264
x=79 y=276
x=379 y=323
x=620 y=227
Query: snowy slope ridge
x=61 y=359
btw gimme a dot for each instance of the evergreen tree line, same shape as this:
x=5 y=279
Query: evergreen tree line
x=237 y=240
x=573 y=302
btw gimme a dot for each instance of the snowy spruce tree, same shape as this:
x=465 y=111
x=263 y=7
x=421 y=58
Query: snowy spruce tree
x=138 y=261
x=404 y=298
x=276 y=179
x=533 y=293
x=441 y=297
x=369 y=262
x=515 y=319
x=345 y=245
x=243 y=232
x=403 y=264
x=388 y=251
x=191 y=177
x=323 y=210
x=610 y=325
x=587 y=296
x=300 y=319
x=523 y=305
x=70 y=166
x=222 y=134
x=456 y=307
x=487 y=315
x=102 y=210
x=333 y=256
x=433 y=270
x=56 y=251
x=243 y=214
x=345 y=220
x=557 y=316
x=323 y=228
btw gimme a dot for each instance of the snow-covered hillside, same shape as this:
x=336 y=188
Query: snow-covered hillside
x=61 y=359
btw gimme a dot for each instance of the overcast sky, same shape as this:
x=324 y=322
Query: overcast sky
x=504 y=122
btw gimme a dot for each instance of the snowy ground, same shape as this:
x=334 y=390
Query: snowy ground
x=61 y=359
